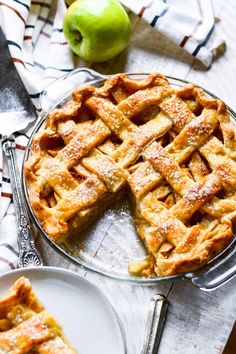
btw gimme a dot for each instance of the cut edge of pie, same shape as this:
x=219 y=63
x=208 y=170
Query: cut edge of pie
x=25 y=325
x=175 y=149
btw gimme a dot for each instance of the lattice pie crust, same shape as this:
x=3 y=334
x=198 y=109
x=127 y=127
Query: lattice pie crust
x=173 y=148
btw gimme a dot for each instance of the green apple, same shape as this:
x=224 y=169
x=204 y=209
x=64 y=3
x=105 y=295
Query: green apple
x=97 y=30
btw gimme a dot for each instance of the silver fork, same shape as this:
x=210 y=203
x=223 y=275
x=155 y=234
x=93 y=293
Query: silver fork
x=28 y=255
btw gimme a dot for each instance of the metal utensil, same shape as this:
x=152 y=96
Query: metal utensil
x=155 y=323
x=16 y=112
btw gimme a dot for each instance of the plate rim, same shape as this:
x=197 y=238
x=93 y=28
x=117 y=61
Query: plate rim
x=73 y=274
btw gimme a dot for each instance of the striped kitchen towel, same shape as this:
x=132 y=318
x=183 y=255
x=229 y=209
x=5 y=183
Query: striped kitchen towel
x=41 y=54
x=190 y=24
x=36 y=42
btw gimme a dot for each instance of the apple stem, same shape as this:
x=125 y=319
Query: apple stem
x=79 y=37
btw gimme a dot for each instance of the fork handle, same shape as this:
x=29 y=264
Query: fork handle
x=28 y=255
x=155 y=323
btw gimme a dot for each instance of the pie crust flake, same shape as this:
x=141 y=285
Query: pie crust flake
x=174 y=149
x=26 y=327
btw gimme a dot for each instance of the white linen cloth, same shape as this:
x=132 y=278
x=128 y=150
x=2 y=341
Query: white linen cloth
x=190 y=24
x=41 y=54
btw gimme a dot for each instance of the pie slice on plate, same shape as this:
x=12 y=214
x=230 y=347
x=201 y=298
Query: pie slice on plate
x=26 y=326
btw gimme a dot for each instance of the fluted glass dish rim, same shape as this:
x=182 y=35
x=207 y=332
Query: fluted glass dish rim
x=79 y=261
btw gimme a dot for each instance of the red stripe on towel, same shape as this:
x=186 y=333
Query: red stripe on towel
x=184 y=41
x=6 y=195
x=17 y=60
x=27 y=37
x=20 y=147
x=142 y=11
x=4 y=260
x=11 y=8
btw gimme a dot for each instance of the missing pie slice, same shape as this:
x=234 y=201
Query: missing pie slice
x=26 y=327
x=174 y=149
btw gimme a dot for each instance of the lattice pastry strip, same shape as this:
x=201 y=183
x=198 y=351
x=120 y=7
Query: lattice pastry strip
x=161 y=227
x=105 y=167
x=220 y=161
x=195 y=194
x=175 y=150
x=189 y=138
x=217 y=208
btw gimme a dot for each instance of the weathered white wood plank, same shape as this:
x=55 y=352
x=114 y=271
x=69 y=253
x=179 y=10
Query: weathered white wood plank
x=198 y=322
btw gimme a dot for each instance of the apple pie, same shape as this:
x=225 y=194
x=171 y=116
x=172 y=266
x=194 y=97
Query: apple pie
x=174 y=149
x=26 y=327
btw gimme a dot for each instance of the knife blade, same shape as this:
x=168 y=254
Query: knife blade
x=13 y=95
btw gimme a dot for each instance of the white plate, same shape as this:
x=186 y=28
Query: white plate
x=89 y=321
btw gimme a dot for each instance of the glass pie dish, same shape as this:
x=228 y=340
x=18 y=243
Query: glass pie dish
x=102 y=247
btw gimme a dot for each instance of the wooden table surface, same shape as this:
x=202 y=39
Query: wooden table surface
x=197 y=322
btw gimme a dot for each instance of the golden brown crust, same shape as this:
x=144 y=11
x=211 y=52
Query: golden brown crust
x=174 y=148
x=26 y=326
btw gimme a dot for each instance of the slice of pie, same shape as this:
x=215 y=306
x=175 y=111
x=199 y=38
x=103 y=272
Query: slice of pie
x=26 y=327
x=174 y=149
